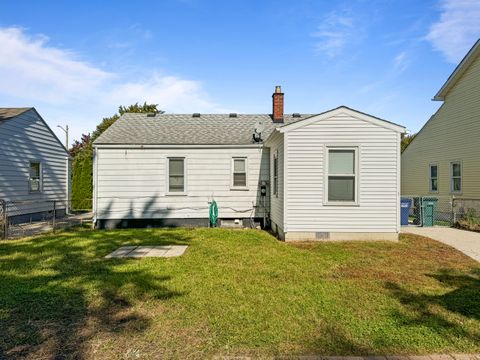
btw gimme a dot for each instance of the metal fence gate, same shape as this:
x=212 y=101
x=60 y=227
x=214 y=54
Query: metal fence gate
x=448 y=210
x=26 y=218
x=3 y=220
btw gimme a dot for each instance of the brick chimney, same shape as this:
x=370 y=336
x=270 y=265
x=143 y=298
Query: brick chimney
x=277 y=100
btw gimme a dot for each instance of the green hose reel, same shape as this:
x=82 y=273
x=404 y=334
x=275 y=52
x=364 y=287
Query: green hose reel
x=213 y=214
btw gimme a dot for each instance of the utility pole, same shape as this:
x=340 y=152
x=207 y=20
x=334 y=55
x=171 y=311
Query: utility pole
x=66 y=134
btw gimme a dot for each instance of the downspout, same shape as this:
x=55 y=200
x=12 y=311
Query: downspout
x=95 y=184
x=399 y=177
x=285 y=183
x=67 y=185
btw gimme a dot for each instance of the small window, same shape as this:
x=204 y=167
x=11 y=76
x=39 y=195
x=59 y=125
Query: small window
x=275 y=173
x=433 y=178
x=342 y=178
x=35 y=177
x=239 y=172
x=456 y=180
x=176 y=175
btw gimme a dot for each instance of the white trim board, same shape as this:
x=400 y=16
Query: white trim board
x=338 y=111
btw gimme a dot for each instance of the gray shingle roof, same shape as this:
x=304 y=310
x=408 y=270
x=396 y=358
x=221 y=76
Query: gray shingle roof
x=184 y=129
x=8 y=113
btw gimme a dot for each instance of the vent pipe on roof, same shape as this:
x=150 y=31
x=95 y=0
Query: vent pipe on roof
x=232 y=115
x=196 y=115
x=296 y=115
x=277 y=102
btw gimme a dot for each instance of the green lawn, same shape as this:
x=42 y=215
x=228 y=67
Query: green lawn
x=233 y=292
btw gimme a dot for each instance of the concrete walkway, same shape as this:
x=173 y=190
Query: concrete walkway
x=38 y=227
x=148 y=251
x=467 y=242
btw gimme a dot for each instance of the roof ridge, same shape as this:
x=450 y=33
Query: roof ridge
x=11 y=112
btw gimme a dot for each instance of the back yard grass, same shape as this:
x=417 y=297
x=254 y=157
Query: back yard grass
x=233 y=293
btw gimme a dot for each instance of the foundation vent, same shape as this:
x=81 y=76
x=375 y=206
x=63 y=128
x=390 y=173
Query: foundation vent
x=322 y=235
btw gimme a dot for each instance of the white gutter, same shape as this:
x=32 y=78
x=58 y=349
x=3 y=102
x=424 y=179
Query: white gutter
x=162 y=146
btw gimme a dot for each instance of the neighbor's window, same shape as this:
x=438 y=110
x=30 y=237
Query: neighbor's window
x=456 y=181
x=275 y=173
x=176 y=175
x=35 y=178
x=433 y=178
x=239 y=172
x=342 y=177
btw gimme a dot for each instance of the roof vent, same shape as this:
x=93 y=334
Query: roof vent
x=296 y=115
x=151 y=114
x=232 y=115
x=196 y=115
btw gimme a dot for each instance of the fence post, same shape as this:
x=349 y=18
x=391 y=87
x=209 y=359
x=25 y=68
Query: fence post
x=3 y=206
x=54 y=213
x=454 y=213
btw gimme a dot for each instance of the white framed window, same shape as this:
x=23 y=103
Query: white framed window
x=275 y=173
x=342 y=175
x=35 y=177
x=176 y=175
x=433 y=178
x=456 y=177
x=239 y=172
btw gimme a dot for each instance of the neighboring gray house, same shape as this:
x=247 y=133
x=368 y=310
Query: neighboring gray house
x=334 y=175
x=34 y=166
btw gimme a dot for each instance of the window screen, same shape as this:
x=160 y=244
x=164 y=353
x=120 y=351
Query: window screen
x=239 y=173
x=433 y=178
x=34 y=182
x=176 y=175
x=341 y=175
x=456 y=185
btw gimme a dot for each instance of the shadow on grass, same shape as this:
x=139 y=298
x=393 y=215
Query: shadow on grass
x=441 y=312
x=58 y=292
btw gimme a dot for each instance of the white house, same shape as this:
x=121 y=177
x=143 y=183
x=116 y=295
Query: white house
x=334 y=175
x=34 y=166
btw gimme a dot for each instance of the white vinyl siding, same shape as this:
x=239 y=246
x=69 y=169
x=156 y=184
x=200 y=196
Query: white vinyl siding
x=378 y=177
x=130 y=183
x=24 y=139
x=277 y=200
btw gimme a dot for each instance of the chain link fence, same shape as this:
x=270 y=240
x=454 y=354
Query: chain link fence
x=429 y=210
x=26 y=218
x=442 y=211
x=466 y=213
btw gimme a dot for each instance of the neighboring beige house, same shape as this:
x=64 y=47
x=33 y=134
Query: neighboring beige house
x=444 y=158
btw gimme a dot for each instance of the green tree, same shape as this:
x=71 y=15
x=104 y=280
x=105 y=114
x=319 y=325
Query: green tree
x=82 y=151
x=406 y=140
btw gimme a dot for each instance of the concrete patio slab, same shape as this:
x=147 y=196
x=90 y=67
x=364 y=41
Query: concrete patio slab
x=158 y=251
x=165 y=251
x=140 y=251
x=121 y=252
x=177 y=250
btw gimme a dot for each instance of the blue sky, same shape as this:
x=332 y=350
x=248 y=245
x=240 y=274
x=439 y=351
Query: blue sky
x=77 y=61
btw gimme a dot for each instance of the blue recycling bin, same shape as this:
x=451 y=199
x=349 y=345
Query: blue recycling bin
x=405 y=205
